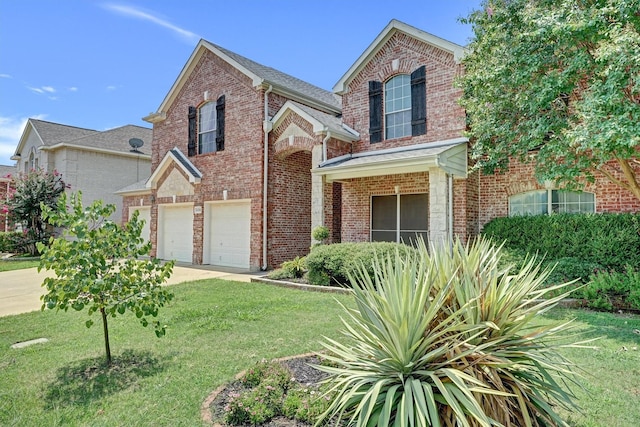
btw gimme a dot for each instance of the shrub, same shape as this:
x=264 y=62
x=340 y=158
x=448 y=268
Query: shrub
x=256 y=406
x=305 y=404
x=611 y=240
x=264 y=369
x=332 y=264
x=296 y=267
x=13 y=242
x=446 y=339
x=613 y=290
x=320 y=233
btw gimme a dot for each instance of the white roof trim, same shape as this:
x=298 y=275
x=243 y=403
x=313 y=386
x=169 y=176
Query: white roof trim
x=319 y=128
x=450 y=156
x=152 y=182
x=393 y=27
x=95 y=149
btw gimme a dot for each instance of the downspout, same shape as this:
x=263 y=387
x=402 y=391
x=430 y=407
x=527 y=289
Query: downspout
x=450 y=177
x=265 y=187
x=324 y=146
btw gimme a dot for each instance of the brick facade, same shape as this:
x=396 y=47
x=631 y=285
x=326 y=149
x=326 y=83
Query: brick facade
x=298 y=198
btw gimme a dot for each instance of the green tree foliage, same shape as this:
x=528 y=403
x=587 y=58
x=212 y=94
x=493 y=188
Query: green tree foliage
x=556 y=82
x=97 y=266
x=32 y=190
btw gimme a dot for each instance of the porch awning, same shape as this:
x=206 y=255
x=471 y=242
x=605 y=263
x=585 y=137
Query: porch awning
x=449 y=155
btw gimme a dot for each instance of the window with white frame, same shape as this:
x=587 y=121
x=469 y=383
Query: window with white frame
x=542 y=202
x=207 y=128
x=397 y=107
x=399 y=218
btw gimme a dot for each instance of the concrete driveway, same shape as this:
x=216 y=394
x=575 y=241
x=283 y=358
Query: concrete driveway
x=20 y=290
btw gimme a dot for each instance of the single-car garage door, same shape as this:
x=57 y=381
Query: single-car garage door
x=228 y=234
x=175 y=232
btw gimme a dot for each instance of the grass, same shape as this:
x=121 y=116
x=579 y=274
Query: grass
x=218 y=328
x=17 y=265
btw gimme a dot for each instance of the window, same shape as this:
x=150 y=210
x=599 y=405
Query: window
x=206 y=128
x=398 y=106
x=399 y=218
x=551 y=201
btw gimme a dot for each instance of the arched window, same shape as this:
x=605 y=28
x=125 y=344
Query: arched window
x=397 y=107
x=543 y=202
x=207 y=128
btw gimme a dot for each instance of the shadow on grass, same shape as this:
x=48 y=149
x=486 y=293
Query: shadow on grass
x=91 y=379
x=615 y=326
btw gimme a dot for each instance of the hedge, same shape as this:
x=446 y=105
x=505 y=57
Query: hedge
x=610 y=241
x=331 y=264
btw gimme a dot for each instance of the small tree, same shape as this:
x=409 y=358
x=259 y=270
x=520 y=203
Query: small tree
x=31 y=191
x=97 y=266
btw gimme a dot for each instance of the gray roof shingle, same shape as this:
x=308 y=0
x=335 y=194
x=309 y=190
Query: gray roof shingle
x=5 y=171
x=117 y=139
x=55 y=133
x=273 y=76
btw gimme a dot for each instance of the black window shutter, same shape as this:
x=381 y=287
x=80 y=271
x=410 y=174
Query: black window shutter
x=418 y=102
x=193 y=131
x=375 y=111
x=220 y=124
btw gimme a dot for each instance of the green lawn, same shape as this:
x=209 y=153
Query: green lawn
x=17 y=265
x=216 y=329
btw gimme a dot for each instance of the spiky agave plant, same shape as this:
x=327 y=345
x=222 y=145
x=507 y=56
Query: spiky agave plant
x=446 y=339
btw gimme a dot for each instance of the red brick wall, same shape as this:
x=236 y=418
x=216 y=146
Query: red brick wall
x=289 y=220
x=495 y=190
x=356 y=196
x=445 y=118
x=238 y=168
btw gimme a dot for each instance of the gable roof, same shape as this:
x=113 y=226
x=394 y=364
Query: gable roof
x=260 y=75
x=176 y=156
x=392 y=28
x=49 y=134
x=321 y=122
x=116 y=139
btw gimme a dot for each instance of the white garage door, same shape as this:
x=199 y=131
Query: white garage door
x=145 y=215
x=228 y=233
x=175 y=232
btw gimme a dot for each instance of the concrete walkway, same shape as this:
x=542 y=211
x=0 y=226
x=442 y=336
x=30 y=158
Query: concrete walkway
x=20 y=290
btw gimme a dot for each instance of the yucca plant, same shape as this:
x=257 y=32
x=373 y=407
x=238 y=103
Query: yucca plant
x=444 y=337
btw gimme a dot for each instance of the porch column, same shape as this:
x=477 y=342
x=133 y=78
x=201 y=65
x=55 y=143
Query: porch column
x=317 y=190
x=438 y=206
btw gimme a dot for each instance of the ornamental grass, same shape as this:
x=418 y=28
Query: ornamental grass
x=445 y=337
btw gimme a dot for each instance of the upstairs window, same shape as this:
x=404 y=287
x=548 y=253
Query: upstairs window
x=206 y=128
x=543 y=202
x=398 y=106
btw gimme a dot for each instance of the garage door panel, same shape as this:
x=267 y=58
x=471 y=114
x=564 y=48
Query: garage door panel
x=177 y=233
x=230 y=234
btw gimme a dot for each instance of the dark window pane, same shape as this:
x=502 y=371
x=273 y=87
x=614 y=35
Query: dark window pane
x=411 y=238
x=383 y=213
x=383 y=236
x=413 y=212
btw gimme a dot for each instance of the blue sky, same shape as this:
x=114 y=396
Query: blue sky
x=101 y=64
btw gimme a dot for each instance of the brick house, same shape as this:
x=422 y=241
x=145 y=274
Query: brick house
x=6 y=173
x=247 y=160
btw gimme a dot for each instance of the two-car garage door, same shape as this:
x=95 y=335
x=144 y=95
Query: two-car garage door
x=226 y=239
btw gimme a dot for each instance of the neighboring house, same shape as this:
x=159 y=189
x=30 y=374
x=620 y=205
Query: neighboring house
x=247 y=160
x=95 y=162
x=6 y=174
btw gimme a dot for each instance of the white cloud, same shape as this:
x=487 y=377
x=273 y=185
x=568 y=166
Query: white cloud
x=5 y=76
x=11 y=129
x=111 y=87
x=73 y=89
x=42 y=89
x=150 y=17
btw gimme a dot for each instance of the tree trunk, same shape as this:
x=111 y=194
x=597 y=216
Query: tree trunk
x=106 y=335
